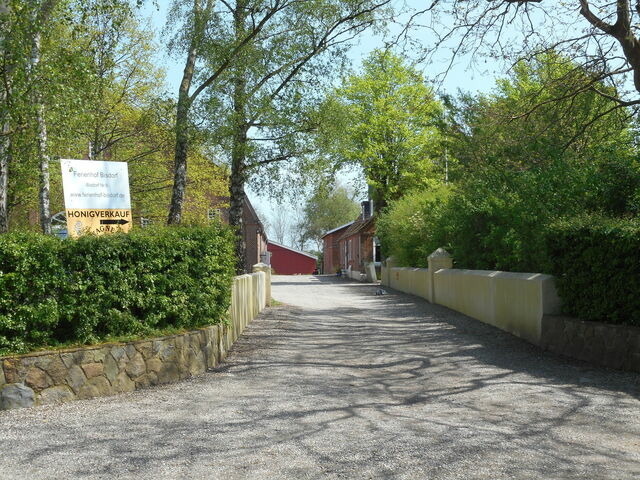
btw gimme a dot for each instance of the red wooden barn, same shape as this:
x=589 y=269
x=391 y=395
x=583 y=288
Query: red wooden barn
x=289 y=261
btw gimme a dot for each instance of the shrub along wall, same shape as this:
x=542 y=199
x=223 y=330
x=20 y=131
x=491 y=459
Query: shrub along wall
x=596 y=259
x=60 y=292
x=596 y=262
x=107 y=369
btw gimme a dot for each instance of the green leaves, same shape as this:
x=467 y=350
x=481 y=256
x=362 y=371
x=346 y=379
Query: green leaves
x=412 y=227
x=386 y=120
x=596 y=262
x=56 y=292
x=329 y=207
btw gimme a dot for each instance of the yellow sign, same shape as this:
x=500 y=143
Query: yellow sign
x=98 y=222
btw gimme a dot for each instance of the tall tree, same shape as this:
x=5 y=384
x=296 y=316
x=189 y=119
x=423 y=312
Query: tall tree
x=519 y=174
x=273 y=57
x=5 y=126
x=40 y=18
x=523 y=123
x=205 y=62
x=330 y=206
x=387 y=121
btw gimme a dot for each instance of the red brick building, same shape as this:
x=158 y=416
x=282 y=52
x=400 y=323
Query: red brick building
x=255 y=237
x=289 y=261
x=357 y=245
x=331 y=249
x=352 y=245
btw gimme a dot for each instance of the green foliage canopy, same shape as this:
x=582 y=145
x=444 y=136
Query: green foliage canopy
x=330 y=206
x=387 y=121
x=522 y=166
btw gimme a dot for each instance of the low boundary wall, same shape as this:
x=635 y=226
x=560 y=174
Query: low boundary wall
x=524 y=304
x=613 y=346
x=59 y=376
x=368 y=275
x=514 y=302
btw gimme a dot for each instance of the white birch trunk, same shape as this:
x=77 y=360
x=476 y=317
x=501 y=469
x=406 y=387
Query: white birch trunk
x=41 y=18
x=41 y=127
x=5 y=140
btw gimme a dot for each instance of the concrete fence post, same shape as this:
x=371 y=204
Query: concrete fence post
x=263 y=267
x=385 y=271
x=437 y=260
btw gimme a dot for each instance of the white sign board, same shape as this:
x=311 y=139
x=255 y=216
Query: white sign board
x=96 y=185
x=96 y=196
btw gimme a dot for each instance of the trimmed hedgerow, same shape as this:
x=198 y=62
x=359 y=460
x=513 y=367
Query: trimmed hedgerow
x=58 y=292
x=596 y=262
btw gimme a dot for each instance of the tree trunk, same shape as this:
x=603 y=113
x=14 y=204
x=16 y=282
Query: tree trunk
x=239 y=147
x=5 y=140
x=182 y=119
x=40 y=19
x=5 y=152
x=236 y=210
x=41 y=126
x=238 y=176
x=180 y=161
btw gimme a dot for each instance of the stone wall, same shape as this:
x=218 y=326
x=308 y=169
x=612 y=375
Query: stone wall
x=60 y=376
x=614 y=346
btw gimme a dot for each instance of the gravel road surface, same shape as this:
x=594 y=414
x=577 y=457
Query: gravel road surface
x=340 y=383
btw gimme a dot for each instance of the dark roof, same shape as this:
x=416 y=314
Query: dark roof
x=248 y=211
x=271 y=242
x=357 y=227
x=336 y=229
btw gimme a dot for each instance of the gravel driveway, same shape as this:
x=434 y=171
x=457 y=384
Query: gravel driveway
x=340 y=383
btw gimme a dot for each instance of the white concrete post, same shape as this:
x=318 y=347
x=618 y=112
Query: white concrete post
x=370 y=270
x=387 y=265
x=263 y=267
x=437 y=260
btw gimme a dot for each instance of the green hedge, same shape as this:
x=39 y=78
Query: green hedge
x=596 y=262
x=410 y=228
x=59 y=292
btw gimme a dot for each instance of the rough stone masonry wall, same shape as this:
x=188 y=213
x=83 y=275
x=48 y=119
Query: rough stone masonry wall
x=59 y=376
x=614 y=346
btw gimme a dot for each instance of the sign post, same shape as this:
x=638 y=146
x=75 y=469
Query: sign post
x=96 y=196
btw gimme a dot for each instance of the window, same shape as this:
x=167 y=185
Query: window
x=213 y=213
x=377 y=252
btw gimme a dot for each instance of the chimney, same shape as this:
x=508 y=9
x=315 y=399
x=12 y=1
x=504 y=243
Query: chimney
x=367 y=209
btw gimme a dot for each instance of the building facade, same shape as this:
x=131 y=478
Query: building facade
x=331 y=249
x=353 y=245
x=254 y=234
x=357 y=245
x=289 y=261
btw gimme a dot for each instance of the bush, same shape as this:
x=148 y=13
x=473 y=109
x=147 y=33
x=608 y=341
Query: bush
x=596 y=262
x=410 y=228
x=494 y=231
x=55 y=292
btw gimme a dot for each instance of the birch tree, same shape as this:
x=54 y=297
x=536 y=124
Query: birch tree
x=5 y=93
x=265 y=107
x=205 y=63
x=40 y=18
